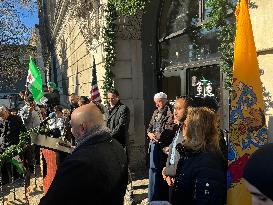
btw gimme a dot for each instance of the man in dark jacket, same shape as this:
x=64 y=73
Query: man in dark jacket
x=12 y=126
x=117 y=118
x=53 y=97
x=96 y=171
x=73 y=100
x=160 y=133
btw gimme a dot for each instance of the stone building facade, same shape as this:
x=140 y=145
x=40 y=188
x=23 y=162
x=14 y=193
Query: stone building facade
x=72 y=36
x=261 y=13
x=156 y=51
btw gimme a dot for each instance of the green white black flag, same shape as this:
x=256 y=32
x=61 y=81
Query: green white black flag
x=34 y=79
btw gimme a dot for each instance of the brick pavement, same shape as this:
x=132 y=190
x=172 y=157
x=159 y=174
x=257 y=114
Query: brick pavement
x=140 y=190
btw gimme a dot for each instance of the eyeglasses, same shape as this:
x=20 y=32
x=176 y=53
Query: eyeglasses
x=188 y=98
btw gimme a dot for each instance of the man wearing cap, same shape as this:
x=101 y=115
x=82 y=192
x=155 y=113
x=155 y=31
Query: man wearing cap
x=160 y=133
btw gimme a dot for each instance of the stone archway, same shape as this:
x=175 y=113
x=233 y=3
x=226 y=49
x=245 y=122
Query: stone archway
x=151 y=74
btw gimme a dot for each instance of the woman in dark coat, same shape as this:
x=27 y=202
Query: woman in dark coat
x=201 y=173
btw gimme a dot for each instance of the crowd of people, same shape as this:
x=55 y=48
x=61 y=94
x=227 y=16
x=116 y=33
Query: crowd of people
x=187 y=150
x=187 y=164
x=97 y=134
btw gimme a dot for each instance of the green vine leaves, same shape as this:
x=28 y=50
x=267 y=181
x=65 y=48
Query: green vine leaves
x=128 y=7
x=115 y=9
x=14 y=150
x=220 y=17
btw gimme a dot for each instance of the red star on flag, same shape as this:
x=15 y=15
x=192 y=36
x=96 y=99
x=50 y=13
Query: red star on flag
x=29 y=78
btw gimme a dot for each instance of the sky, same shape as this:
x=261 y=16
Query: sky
x=29 y=18
x=15 y=17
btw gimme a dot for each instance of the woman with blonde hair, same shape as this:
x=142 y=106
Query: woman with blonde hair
x=201 y=172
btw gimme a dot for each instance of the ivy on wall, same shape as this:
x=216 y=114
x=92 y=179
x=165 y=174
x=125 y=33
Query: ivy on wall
x=220 y=17
x=109 y=47
x=128 y=7
x=114 y=9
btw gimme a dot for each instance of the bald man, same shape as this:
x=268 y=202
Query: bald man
x=96 y=171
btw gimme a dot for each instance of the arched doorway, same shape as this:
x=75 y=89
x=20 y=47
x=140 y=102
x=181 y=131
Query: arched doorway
x=180 y=57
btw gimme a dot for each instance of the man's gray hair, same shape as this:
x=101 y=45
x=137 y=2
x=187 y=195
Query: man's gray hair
x=160 y=95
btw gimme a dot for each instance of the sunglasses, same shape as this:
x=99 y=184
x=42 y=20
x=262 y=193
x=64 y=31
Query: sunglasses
x=187 y=97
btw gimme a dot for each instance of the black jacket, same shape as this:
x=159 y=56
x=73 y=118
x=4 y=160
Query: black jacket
x=13 y=125
x=53 y=100
x=200 y=179
x=95 y=173
x=118 y=120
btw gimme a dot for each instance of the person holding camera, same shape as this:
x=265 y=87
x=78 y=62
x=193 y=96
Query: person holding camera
x=30 y=113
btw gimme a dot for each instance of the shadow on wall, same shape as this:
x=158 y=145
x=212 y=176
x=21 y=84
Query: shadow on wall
x=64 y=66
x=268 y=105
x=267 y=99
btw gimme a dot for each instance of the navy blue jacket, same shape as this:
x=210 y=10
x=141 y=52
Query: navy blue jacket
x=200 y=179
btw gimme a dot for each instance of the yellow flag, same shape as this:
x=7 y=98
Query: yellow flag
x=247 y=118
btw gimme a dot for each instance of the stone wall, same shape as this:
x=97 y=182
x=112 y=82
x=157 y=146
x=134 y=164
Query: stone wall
x=129 y=81
x=74 y=61
x=73 y=57
x=261 y=15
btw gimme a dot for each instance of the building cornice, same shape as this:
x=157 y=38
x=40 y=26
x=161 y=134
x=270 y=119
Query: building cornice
x=60 y=16
x=264 y=50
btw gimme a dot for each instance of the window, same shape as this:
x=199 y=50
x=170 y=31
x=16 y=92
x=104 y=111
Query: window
x=177 y=15
x=181 y=38
x=204 y=81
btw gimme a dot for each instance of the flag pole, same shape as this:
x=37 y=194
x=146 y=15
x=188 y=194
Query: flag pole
x=26 y=85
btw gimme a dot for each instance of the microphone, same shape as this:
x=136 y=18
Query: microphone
x=50 y=116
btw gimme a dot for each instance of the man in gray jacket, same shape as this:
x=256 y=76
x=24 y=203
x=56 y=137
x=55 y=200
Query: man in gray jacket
x=117 y=118
x=160 y=133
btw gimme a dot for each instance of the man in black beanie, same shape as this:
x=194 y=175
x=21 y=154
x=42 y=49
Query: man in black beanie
x=258 y=175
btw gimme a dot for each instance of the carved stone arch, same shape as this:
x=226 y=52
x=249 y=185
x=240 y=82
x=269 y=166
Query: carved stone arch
x=129 y=27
